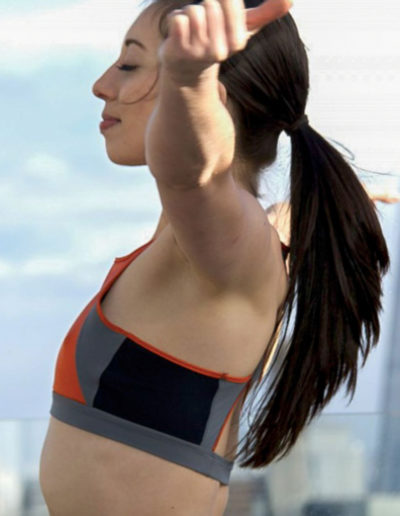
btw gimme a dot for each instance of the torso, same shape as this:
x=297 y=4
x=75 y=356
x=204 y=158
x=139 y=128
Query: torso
x=158 y=298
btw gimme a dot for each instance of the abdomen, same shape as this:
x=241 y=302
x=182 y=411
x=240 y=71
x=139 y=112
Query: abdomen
x=86 y=474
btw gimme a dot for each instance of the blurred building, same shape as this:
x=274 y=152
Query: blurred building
x=248 y=496
x=387 y=472
x=11 y=492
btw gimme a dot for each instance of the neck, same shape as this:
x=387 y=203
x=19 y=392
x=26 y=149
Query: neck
x=162 y=222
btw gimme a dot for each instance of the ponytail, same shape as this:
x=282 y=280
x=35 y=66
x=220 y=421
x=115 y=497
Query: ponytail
x=338 y=256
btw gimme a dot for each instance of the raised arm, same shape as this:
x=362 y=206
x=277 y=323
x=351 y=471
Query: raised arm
x=190 y=143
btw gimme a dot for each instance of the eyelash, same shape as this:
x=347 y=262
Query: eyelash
x=127 y=68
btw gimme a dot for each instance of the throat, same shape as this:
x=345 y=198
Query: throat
x=162 y=223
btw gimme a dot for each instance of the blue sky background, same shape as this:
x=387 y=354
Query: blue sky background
x=67 y=211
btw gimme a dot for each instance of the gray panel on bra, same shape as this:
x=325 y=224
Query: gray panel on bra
x=224 y=398
x=95 y=348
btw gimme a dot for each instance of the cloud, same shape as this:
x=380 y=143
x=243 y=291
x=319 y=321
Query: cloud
x=45 y=167
x=45 y=266
x=6 y=268
x=85 y=259
x=30 y=39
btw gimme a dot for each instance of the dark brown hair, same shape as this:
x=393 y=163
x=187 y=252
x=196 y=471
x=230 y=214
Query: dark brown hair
x=338 y=254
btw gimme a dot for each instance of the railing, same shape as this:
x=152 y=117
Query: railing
x=342 y=465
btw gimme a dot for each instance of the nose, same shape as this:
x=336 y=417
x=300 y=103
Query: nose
x=105 y=88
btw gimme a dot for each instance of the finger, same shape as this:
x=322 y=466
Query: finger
x=235 y=23
x=265 y=13
x=383 y=198
x=179 y=28
x=386 y=199
x=216 y=29
x=198 y=24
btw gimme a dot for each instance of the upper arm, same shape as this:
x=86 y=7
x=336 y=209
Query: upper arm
x=221 y=230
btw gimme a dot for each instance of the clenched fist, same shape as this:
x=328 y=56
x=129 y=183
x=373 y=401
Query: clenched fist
x=201 y=36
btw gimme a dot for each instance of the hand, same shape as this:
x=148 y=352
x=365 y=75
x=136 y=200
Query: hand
x=377 y=193
x=201 y=36
x=279 y=213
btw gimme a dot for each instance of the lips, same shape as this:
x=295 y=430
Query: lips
x=109 y=122
x=109 y=117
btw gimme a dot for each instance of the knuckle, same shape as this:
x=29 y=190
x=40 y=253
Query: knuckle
x=238 y=47
x=220 y=56
x=213 y=4
x=220 y=53
x=237 y=41
x=173 y=13
x=193 y=9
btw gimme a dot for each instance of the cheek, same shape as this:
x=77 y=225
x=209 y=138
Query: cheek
x=141 y=87
x=136 y=118
x=133 y=129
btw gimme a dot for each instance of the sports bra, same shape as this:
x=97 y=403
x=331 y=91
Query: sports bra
x=112 y=383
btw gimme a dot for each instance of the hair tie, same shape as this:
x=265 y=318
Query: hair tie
x=290 y=129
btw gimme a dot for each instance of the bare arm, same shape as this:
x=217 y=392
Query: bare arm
x=190 y=134
x=218 y=226
x=279 y=213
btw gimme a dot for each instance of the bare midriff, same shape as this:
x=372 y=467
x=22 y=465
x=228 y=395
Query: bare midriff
x=85 y=474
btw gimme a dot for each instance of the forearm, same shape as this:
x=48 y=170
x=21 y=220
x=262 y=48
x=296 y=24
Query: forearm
x=190 y=134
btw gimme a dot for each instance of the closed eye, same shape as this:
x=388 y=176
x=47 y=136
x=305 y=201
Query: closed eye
x=127 y=68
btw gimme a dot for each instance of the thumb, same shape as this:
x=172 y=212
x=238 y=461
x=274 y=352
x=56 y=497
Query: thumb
x=267 y=12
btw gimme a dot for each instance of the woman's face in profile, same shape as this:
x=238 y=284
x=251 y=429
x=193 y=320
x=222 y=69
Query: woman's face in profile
x=128 y=93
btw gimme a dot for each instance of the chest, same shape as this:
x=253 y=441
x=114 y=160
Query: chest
x=159 y=299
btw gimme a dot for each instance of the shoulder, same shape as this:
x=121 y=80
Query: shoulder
x=258 y=268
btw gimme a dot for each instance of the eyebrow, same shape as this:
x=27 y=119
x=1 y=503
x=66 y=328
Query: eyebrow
x=129 y=41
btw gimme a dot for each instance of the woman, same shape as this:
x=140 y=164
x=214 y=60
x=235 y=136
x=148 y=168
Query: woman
x=151 y=377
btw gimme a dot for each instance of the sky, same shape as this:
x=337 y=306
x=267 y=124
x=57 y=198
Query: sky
x=67 y=211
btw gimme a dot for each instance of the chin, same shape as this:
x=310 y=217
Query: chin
x=120 y=158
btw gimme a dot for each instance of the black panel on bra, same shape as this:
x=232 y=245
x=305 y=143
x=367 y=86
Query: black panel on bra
x=144 y=388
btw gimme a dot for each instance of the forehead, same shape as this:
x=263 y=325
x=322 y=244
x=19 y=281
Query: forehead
x=145 y=29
